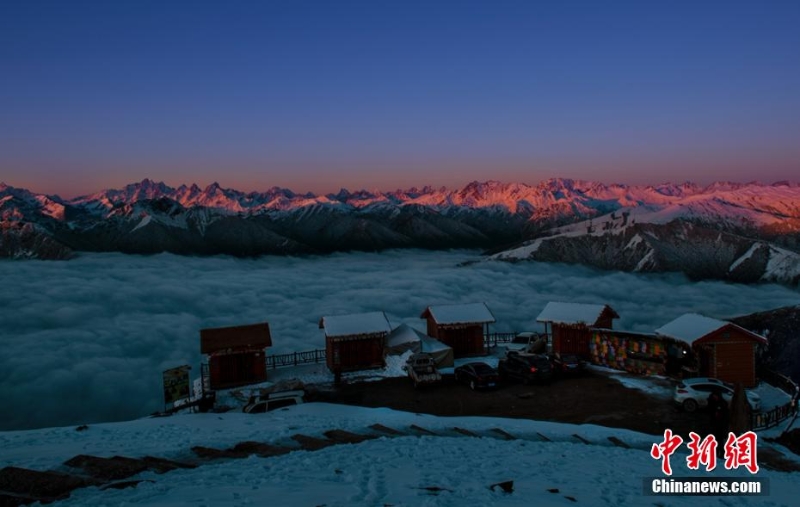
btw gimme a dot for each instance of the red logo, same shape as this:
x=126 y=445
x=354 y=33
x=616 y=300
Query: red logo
x=739 y=451
x=703 y=452
x=665 y=449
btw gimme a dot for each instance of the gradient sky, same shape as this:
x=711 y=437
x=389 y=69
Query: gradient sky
x=320 y=95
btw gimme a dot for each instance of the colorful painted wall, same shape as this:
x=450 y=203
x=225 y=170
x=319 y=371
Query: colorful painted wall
x=643 y=354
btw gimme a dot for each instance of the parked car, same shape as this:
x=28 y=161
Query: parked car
x=567 y=364
x=693 y=393
x=273 y=401
x=526 y=368
x=526 y=342
x=477 y=375
x=421 y=369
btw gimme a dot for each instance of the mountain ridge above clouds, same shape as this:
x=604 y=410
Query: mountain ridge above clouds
x=151 y=217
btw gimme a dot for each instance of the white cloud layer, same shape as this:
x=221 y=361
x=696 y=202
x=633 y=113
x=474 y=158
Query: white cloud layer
x=86 y=340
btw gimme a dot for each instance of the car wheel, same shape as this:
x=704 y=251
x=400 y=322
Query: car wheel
x=690 y=405
x=472 y=385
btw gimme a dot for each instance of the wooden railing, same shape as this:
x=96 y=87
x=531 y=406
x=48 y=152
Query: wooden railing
x=764 y=420
x=318 y=355
x=295 y=358
x=492 y=339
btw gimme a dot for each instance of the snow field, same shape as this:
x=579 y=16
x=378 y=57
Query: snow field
x=387 y=470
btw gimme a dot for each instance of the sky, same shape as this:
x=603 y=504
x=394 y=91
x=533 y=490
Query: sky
x=315 y=96
x=93 y=335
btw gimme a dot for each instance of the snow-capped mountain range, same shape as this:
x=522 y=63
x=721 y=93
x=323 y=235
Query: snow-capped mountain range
x=149 y=216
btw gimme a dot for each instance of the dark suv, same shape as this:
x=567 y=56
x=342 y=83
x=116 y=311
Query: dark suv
x=525 y=367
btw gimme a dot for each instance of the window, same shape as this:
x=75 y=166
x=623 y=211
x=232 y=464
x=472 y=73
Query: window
x=276 y=404
x=259 y=409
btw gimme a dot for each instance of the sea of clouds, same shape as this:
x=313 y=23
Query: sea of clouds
x=86 y=340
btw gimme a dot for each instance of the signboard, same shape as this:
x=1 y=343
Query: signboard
x=176 y=384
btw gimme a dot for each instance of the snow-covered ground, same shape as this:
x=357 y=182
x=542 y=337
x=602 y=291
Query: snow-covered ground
x=771 y=396
x=386 y=471
x=660 y=387
x=663 y=387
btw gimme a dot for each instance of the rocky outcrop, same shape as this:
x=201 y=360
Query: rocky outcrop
x=679 y=246
x=782 y=329
x=26 y=241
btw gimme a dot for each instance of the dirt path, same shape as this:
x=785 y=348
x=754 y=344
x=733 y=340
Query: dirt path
x=592 y=398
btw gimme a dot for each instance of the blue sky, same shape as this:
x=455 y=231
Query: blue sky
x=320 y=95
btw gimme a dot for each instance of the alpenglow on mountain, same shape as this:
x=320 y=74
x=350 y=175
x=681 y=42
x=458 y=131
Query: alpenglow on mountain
x=742 y=232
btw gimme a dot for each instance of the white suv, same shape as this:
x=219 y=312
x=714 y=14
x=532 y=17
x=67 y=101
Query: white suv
x=273 y=401
x=693 y=393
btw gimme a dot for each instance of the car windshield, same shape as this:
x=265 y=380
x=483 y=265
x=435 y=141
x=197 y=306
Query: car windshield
x=520 y=339
x=569 y=358
x=483 y=369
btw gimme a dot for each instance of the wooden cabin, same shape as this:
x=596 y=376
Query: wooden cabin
x=236 y=355
x=355 y=341
x=724 y=350
x=568 y=325
x=461 y=327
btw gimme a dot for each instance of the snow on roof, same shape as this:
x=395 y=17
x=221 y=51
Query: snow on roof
x=405 y=334
x=431 y=345
x=355 y=324
x=689 y=327
x=571 y=313
x=468 y=313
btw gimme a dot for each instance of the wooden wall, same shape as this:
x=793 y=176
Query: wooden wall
x=355 y=353
x=571 y=340
x=606 y=321
x=732 y=355
x=432 y=328
x=237 y=369
x=735 y=362
x=466 y=341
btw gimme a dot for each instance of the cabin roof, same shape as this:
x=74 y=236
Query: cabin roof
x=691 y=327
x=355 y=324
x=574 y=313
x=404 y=333
x=466 y=313
x=251 y=336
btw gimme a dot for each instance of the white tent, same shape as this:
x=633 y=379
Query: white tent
x=405 y=337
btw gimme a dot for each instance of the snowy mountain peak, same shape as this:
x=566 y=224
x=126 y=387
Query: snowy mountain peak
x=213 y=188
x=560 y=199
